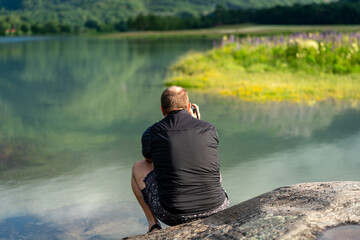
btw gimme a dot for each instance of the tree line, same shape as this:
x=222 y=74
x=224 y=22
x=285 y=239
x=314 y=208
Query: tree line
x=342 y=12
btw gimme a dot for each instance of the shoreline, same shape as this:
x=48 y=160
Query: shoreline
x=215 y=32
x=243 y=29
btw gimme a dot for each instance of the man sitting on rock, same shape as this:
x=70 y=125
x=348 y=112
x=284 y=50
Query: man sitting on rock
x=179 y=179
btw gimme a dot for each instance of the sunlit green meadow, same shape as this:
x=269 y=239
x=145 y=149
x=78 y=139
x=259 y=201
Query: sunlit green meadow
x=296 y=68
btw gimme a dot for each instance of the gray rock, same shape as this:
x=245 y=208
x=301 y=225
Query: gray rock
x=302 y=211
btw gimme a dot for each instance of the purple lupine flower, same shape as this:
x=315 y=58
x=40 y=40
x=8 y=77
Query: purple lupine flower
x=330 y=38
x=232 y=38
x=281 y=39
x=327 y=38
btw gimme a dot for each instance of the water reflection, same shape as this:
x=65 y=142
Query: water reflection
x=249 y=131
x=72 y=111
x=327 y=161
x=79 y=205
x=342 y=125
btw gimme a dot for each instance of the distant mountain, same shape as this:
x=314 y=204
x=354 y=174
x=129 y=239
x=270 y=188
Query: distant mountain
x=79 y=11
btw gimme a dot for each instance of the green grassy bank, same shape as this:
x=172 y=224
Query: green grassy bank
x=238 y=30
x=306 y=67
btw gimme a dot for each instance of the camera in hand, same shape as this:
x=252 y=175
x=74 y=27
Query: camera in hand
x=195 y=110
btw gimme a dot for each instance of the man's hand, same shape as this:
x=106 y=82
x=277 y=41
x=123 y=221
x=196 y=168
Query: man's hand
x=149 y=160
x=195 y=110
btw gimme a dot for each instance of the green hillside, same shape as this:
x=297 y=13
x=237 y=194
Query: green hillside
x=79 y=11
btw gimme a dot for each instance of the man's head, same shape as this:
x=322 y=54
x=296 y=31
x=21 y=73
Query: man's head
x=174 y=98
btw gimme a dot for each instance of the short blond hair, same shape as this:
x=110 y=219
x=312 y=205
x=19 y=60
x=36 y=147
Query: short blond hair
x=173 y=98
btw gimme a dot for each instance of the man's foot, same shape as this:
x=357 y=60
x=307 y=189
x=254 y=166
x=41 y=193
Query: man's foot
x=155 y=227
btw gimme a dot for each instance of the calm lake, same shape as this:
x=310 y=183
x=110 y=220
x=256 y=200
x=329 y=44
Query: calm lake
x=72 y=112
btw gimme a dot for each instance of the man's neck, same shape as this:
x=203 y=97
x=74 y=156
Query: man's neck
x=173 y=110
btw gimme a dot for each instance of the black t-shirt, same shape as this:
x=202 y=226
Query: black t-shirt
x=184 y=151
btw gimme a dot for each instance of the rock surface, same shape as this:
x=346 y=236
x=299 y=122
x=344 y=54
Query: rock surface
x=301 y=211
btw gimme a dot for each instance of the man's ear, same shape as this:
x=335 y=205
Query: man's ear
x=189 y=108
x=163 y=112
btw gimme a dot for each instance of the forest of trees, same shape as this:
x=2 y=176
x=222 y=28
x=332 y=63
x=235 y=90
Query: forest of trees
x=107 y=10
x=341 y=12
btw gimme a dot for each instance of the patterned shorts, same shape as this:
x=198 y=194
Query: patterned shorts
x=151 y=198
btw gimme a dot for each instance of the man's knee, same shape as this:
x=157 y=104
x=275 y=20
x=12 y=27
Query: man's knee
x=139 y=171
x=142 y=168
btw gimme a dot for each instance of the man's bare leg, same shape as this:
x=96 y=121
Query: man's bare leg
x=139 y=172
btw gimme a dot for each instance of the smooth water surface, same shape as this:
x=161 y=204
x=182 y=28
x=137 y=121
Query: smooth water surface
x=72 y=111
